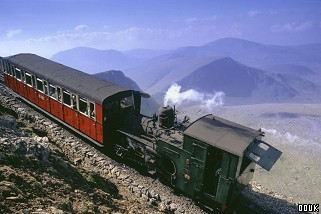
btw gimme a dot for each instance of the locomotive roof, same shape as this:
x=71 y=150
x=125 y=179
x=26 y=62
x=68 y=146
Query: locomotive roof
x=223 y=134
x=74 y=80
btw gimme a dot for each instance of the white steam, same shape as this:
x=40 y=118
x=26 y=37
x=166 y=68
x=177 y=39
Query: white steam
x=292 y=139
x=173 y=96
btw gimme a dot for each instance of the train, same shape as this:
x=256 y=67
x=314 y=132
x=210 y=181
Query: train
x=210 y=160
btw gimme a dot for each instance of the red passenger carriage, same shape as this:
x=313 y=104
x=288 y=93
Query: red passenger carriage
x=64 y=93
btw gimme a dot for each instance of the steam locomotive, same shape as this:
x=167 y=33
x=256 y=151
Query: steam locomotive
x=210 y=160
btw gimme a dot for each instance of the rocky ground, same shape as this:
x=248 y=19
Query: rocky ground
x=45 y=169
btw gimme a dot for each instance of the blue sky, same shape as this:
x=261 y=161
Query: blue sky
x=45 y=27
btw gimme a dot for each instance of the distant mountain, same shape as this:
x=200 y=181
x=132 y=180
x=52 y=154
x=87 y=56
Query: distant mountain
x=145 y=53
x=255 y=54
x=157 y=74
x=254 y=85
x=293 y=69
x=118 y=78
x=92 y=60
x=149 y=105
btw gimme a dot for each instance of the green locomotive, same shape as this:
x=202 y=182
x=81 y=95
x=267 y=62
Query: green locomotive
x=210 y=160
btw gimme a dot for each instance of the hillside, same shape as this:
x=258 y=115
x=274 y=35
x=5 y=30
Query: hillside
x=118 y=78
x=158 y=74
x=92 y=60
x=255 y=54
x=256 y=86
x=294 y=69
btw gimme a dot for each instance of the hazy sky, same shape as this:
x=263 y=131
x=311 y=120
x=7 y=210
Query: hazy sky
x=45 y=27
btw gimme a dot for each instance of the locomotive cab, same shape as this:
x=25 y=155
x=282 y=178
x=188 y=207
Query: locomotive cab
x=216 y=159
x=117 y=108
x=227 y=154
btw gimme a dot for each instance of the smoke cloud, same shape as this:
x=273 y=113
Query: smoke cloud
x=173 y=96
x=288 y=138
x=291 y=138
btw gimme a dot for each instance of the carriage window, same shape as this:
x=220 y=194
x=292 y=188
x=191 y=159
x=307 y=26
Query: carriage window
x=92 y=110
x=8 y=69
x=18 y=74
x=83 y=105
x=12 y=71
x=45 y=85
x=4 y=67
x=39 y=85
x=66 y=97
x=33 y=81
x=23 y=76
x=52 y=91
x=112 y=106
x=126 y=102
x=28 y=79
x=74 y=101
x=59 y=94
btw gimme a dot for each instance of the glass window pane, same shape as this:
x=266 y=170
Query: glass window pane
x=39 y=84
x=92 y=110
x=23 y=77
x=59 y=94
x=74 y=101
x=45 y=87
x=66 y=97
x=52 y=91
x=33 y=81
x=28 y=79
x=8 y=68
x=83 y=106
x=126 y=102
x=18 y=74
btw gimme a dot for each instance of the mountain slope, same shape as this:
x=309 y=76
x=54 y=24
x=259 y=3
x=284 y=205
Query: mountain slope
x=159 y=73
x=91 y=60
x=224 y=74
x=243 y=84
x=118 y=78
x=255 y=54
x=293 y=69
